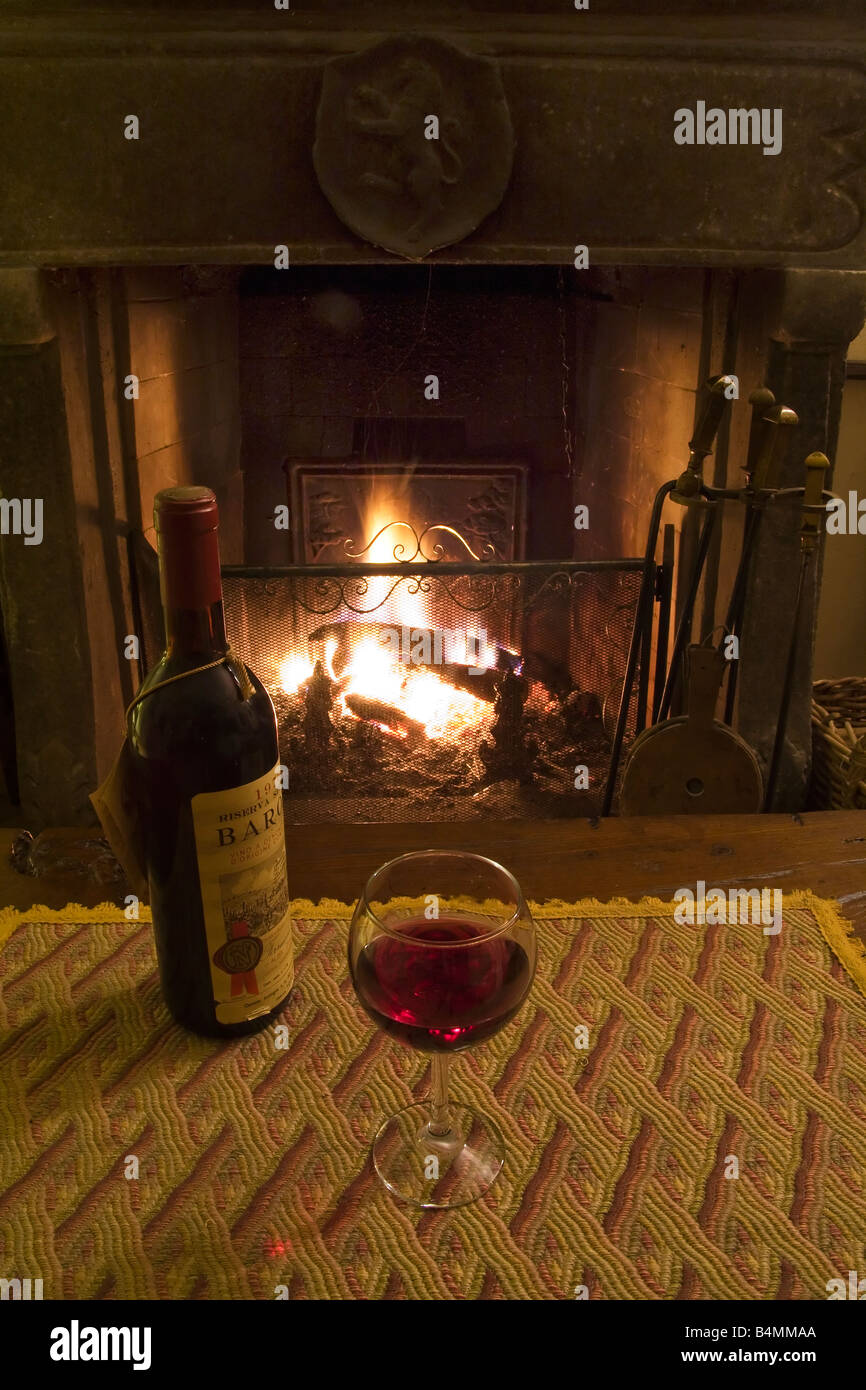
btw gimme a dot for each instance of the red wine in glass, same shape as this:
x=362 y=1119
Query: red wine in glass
x=442 y=952
x=442 y=1000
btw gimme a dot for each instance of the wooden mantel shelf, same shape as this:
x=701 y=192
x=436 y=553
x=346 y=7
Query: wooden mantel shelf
x=824 y=851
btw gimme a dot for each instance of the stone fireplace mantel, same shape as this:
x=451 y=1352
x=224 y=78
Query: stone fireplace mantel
x=222 y=170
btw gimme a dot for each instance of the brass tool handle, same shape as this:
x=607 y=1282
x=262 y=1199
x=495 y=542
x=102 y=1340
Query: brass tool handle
x=762 y=401
x=813 y=499
x=772 y=445
x=701 y=442
x=690 y=481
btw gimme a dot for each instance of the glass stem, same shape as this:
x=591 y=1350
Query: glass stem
x=439 y=1123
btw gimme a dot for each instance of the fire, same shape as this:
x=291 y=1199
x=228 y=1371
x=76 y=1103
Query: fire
x=292 y=673
x=372 y=670
x=294 y=670
x=417 y=692
x=401 y=607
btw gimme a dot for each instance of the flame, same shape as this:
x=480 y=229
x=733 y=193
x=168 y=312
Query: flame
x=402 y=607
x=294 y=670
x=372 y=669
x=415 y=691
x=331 y=646
x=292 y=673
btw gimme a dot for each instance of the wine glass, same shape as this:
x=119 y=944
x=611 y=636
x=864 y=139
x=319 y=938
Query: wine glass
x=441 y=954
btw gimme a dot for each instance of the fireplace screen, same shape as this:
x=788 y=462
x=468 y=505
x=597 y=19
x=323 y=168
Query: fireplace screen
x=443 y=691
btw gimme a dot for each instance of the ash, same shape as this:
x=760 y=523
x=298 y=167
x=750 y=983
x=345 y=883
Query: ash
x=518 y=762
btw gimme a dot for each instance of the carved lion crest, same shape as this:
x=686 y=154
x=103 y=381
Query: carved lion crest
x=414 y=143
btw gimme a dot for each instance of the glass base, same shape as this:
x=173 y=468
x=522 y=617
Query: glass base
x=433 y=1170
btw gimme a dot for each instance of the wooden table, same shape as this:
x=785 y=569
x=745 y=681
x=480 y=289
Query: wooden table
x=822 y=850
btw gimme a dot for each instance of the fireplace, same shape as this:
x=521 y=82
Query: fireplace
x=441 y=691
x=436 y=440
x=439 y=637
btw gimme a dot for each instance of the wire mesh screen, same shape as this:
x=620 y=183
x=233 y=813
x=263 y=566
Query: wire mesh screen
x=444 y=692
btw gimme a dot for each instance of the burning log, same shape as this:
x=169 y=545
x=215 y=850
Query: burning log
x=479 y=682
x=512 y=752
x=385 y=715
x=421 y=647
x=554 y=675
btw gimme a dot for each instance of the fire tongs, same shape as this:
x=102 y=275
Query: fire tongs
x=768 y=440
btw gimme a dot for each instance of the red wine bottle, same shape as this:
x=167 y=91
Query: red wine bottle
x=205 y=770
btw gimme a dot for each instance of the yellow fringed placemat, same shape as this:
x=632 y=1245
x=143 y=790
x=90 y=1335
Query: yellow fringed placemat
x=710 y=1142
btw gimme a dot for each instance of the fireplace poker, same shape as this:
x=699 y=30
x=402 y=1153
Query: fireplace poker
x=768 y=443
x=810 y=530
x=690 y=489
x=762 y=402
x=663 y=634
x=684 y=626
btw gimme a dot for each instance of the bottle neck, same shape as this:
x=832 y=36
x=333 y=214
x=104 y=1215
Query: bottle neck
x=191 y=588
x=195 y=632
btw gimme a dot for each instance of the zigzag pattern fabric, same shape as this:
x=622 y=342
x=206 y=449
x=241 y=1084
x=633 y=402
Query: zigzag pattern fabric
x=710 y=1049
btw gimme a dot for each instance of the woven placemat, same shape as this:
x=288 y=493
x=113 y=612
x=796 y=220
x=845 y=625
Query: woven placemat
x=711 y=1048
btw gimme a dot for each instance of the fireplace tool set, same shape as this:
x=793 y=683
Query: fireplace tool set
x=694 y=762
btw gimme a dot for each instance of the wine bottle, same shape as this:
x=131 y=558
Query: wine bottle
x=204 y=766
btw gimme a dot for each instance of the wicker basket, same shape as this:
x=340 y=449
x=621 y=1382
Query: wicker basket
x=839 y=744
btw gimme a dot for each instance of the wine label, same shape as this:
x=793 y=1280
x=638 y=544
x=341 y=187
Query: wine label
x=241 y=852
